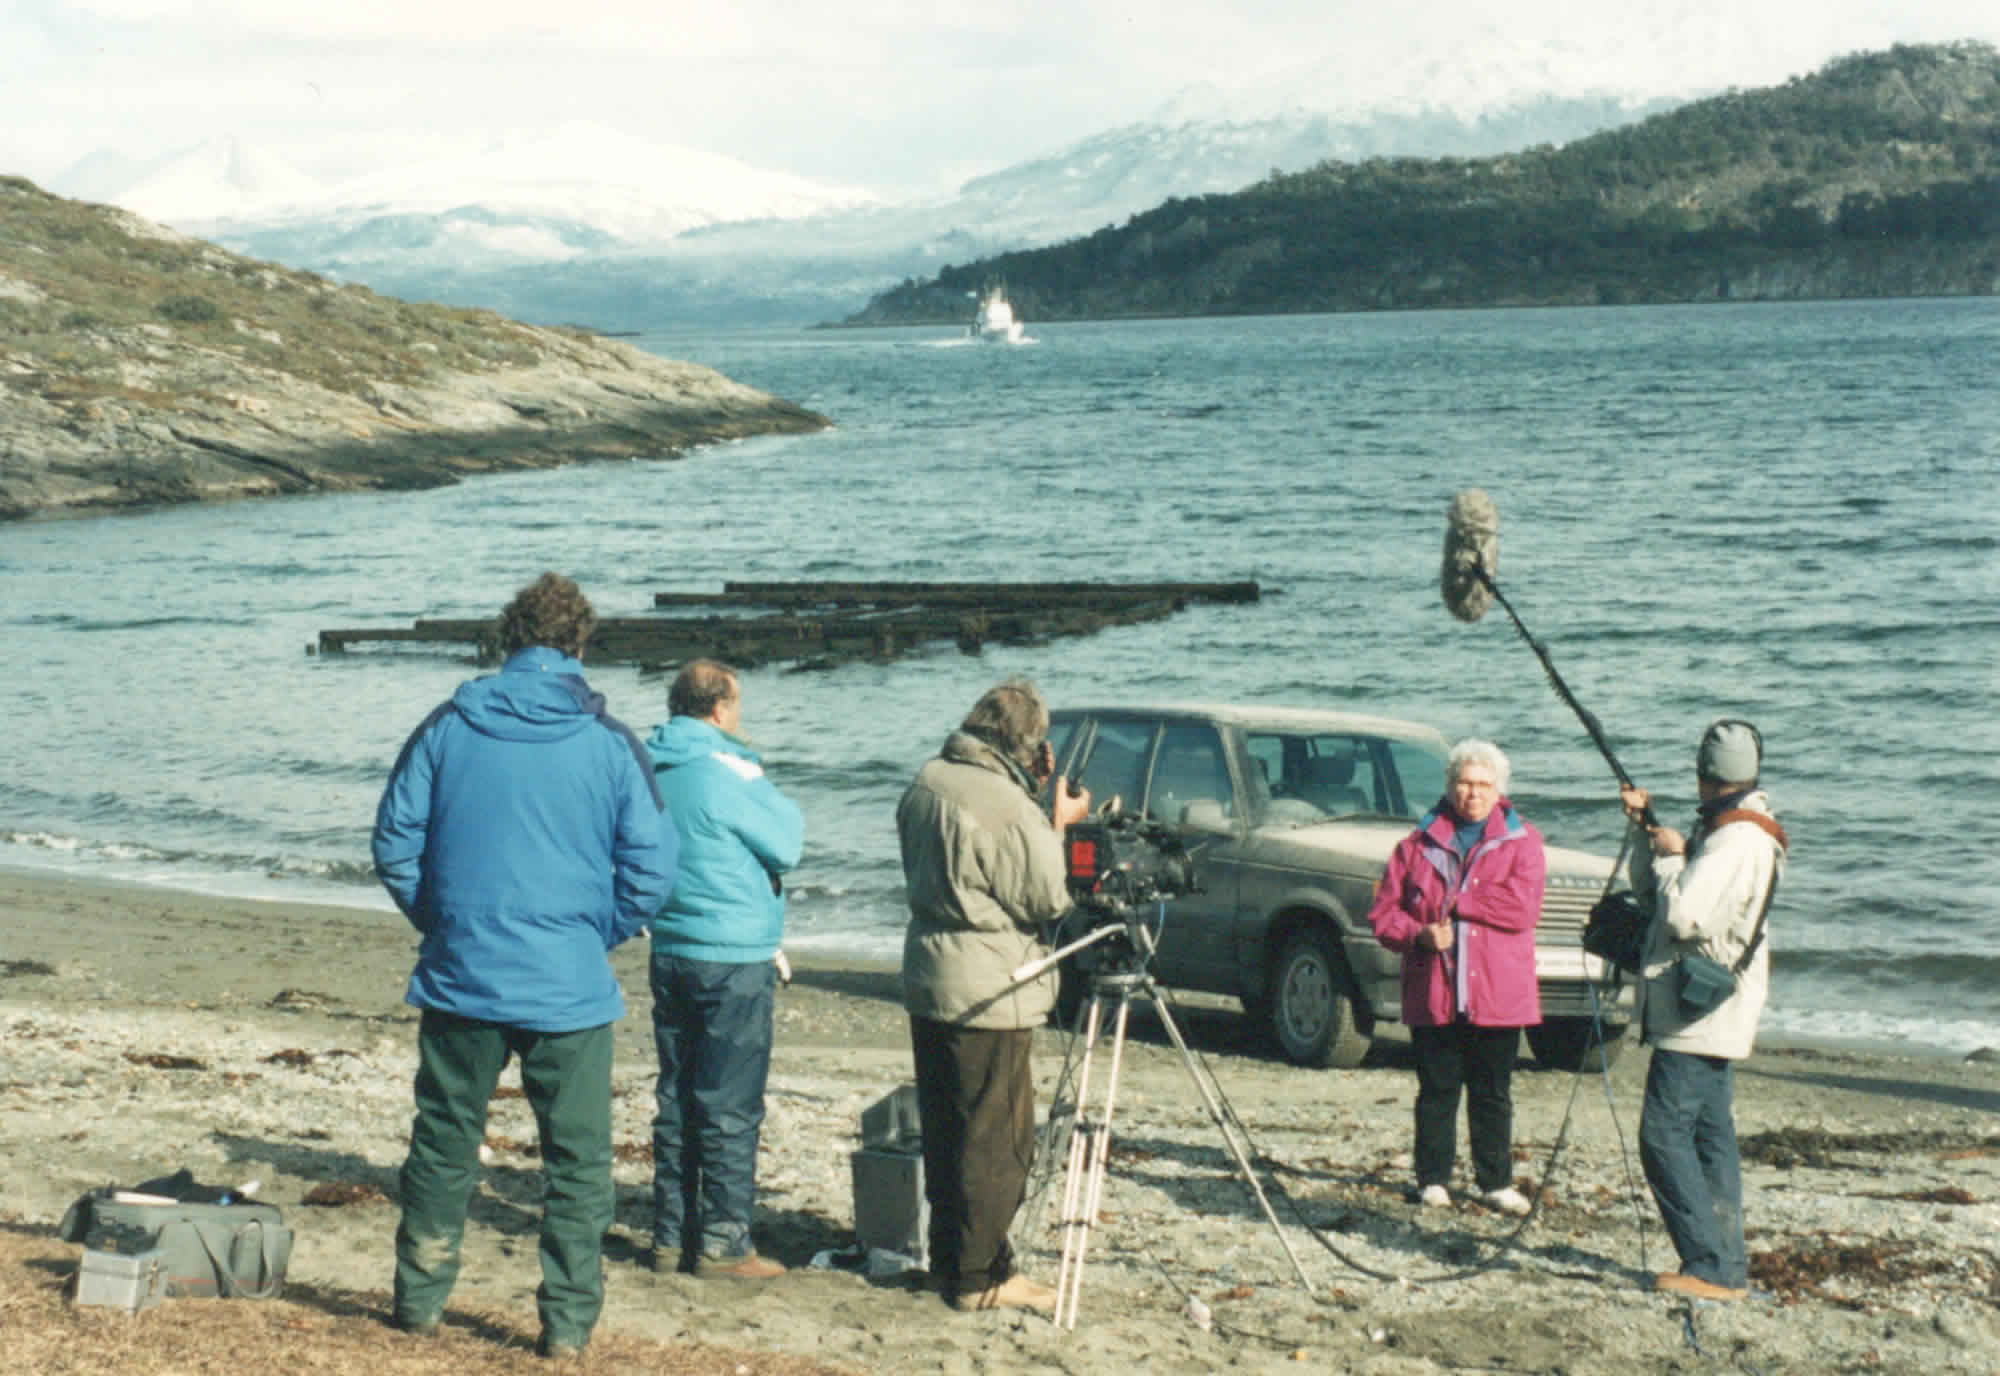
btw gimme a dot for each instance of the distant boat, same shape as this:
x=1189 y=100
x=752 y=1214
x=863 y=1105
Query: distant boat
x=995 y=323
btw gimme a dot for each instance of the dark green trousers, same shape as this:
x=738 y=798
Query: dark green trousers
x=567 y=1079
x=976 y=1097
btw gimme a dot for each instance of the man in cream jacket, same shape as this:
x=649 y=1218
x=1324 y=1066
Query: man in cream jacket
x=1711 y=893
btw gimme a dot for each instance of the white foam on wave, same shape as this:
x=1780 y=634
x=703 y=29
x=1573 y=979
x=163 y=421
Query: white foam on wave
x=1849 y=1026
x=884 y=945
x=41 y=840
x=125 y=864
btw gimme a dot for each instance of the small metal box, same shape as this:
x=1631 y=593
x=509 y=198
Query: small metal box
x=131 y=1281
x=889 y=1208
x=893 y=1121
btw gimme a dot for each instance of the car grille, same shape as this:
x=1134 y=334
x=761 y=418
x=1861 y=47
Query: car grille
x=1566 y=904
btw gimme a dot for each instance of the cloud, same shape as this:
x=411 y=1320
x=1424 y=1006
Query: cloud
x=838 y=34
x=898 y=94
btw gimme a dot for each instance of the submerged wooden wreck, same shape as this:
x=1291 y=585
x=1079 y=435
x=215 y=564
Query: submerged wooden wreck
x=814 y=625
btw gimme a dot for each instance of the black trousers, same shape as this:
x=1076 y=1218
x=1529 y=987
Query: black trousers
x=976 y=1096
x=1479 y=1061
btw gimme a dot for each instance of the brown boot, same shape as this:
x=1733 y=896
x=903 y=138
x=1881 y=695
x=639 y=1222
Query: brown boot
x=749 y=1266
x=1015 y=1292
x=1695 y=1288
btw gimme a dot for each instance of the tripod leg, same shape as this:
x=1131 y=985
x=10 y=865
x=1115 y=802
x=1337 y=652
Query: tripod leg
x=1092 y=1148
x=1052 y=1142
x=1075 y=1167
x=1229 y=1137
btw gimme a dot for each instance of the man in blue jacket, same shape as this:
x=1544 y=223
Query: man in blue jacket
x=714 y=976
x=521 y=834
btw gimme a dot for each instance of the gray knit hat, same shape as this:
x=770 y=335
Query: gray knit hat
x=1731 y=752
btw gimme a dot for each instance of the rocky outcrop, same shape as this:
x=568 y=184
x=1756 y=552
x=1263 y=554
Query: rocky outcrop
x=138 y=366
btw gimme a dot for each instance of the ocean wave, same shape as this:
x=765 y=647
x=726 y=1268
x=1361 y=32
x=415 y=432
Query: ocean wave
x=1873 y=1027
x=368 y=772
x=817 y=891
x=1935 y=972
x=82 y=848
x=848 y=774
x=881 y=942
x=192 y=869
x=285 y=570
x=1878 y=632
x=337 y=883
x=148 y=623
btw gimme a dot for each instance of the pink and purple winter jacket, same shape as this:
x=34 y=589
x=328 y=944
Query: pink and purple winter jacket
x=1495 y=895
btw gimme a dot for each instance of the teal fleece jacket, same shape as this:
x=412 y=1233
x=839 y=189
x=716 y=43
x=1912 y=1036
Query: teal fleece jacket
x=738 y=833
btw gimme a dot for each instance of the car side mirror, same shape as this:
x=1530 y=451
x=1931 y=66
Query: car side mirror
x=1205 y=814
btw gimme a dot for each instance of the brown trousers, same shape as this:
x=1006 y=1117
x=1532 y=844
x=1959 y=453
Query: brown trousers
x=976 y=1095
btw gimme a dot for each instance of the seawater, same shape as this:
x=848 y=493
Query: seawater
x=1783 y=512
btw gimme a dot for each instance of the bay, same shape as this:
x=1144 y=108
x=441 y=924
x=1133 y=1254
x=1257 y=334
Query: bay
x=1782 y=512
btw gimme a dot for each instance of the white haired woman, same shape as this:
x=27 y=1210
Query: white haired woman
x=1459 y=902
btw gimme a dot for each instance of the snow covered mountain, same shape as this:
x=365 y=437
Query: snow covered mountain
x=583 y=223
x=214 y=180
x=1111 y=176
x=635 y=191
x=576 y=189
x=598 y=233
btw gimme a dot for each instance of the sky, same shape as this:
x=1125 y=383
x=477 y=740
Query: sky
x=902 y=97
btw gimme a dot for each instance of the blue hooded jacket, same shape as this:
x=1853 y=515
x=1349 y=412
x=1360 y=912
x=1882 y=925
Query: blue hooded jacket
x=738 y=834
x=521 y=834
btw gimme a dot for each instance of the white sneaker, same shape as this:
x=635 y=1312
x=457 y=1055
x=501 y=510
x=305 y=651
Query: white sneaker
x=1434 y=1197
x=1508 y=1200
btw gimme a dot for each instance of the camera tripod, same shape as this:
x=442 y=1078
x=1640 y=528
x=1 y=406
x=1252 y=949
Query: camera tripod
x=1088 y=1149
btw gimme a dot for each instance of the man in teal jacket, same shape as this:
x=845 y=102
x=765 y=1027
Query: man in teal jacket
x=521 y=834
x=714 y=976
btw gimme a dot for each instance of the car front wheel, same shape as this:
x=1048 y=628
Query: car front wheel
x=1574 y=1044
x=1311 y=1009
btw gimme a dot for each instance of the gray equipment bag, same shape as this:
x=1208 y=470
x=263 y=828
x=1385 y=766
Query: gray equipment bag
x=209 y=1250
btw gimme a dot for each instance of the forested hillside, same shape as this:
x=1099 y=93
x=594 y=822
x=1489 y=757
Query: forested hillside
x=1879 y=175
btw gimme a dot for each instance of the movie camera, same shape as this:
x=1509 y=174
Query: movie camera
x=1120 y=860
x=1118 y=864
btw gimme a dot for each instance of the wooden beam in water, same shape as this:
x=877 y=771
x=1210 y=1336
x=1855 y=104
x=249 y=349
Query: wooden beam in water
x=823 y=624
x=335 y=642
x=881 y=594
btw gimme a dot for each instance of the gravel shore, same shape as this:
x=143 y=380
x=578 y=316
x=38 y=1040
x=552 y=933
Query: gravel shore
x=148 y=1030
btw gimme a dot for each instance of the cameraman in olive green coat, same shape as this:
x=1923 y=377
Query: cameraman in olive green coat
x=984 y=869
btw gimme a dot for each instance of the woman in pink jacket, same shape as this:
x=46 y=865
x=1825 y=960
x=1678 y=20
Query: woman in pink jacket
x=1459 y=902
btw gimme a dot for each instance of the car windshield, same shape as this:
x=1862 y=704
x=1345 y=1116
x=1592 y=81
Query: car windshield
x=1298 y=778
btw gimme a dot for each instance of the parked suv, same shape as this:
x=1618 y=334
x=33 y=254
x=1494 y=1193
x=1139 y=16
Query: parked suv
x=1291 y=815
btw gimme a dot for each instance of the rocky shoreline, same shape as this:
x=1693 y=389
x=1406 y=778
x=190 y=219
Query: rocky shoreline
x=148 y=1030
x=140 y=367
x=588 y=402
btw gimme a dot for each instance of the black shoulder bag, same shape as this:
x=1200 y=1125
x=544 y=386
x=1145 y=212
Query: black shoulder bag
x=1616 y=930
x=1704 y=985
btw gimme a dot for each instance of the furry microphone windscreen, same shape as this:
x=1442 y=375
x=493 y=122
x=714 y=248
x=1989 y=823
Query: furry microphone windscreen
x=1471 y=554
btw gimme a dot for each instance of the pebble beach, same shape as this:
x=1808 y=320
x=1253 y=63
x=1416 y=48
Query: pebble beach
x=147 y=1030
